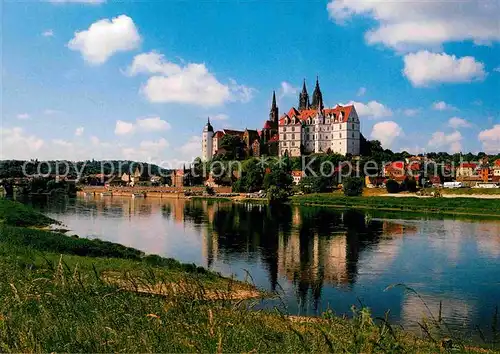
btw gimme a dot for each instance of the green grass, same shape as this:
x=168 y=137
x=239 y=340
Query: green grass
x=64 y=294
x=486 y=207
x=17 y=214
x=468 y=191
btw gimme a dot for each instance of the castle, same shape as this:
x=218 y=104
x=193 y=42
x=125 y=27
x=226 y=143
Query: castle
x=311 y=128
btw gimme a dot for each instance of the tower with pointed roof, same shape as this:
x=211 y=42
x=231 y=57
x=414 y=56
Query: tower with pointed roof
x=304 y=98
x=274 y=113
x=317 y=99
x=207 y=141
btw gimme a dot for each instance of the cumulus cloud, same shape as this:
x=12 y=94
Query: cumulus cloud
x=386 y=132
x=443 y=106
x=48 y=33
x=497 y=69
x=23 y=116
x=425 y=68
x=407 y=24
x=451 y=142
x=361 y=91
x=456 y=122
x=148 y=150
x=191 y=148
x=105 y=38
x=79 y=131
x=490 y=139
x=17 y=144
x=287 y=90
x=141 y=124
x=372 y=109
x=190 y=84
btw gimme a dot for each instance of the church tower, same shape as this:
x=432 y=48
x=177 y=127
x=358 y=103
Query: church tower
x=274 y=113
x=304 y=98
x=317 y=100
x=207 y=141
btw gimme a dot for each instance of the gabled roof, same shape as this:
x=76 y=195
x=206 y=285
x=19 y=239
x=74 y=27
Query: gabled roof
x=468 y=165
x=219 y=134
x=303 y=115
x=496 y=164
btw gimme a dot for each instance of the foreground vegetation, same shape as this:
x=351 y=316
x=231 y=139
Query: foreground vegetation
x=65 y=294
x=489 y=207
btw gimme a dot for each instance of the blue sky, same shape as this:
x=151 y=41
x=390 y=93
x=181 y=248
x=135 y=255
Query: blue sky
x=96 y=79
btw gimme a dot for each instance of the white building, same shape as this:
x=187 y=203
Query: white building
x=207 y=141
x=320 y=130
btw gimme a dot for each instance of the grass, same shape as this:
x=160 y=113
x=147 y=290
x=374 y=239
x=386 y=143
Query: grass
x=65 y=294
x=482 y=207
x=17 y=214
x=467 y=191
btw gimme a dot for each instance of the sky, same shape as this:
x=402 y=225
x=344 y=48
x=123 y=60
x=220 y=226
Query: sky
x=85 y=79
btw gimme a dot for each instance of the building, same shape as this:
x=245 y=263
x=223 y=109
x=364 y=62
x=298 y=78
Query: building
x=311 y=128
x=207 y=141
x=465 y=169
x=297 y=176
x=314 y=129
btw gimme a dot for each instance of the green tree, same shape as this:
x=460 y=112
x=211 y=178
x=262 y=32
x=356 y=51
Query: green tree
x=352 y=186
x=392 y=186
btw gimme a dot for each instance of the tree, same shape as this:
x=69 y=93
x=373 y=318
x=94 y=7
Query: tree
x=392 y=186
x=310 y=184
x=233 y=146
x=352 y=186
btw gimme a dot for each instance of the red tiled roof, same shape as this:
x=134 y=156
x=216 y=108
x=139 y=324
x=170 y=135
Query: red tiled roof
x=267 y=125
x=297 y=173
x=219 y=134
x=305 y=114
x=468 y=165
x=497 y=163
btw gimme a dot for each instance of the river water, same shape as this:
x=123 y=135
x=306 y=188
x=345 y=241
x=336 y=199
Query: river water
x=317 y=258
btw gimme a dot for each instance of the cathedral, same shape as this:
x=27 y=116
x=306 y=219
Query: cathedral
x=309 y=128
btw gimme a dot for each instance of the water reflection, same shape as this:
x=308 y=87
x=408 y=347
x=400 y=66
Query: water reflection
x=315 y=257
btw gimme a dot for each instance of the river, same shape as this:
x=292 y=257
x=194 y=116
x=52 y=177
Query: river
x=317 y=258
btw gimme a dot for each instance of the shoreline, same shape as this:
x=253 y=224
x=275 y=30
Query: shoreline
x=124 y=282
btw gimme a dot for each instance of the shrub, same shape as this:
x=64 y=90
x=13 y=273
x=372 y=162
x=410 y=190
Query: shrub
x=411 y=185
x=392 y=186
x=353 y=187
x=277 y=194
x=209 y=190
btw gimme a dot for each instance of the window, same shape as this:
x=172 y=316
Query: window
x=353 y=126
x=353 y=136
x=293 y=136
x=340 y=135
x=293 y=129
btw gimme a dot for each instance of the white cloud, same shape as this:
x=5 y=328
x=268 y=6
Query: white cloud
x=497 y=69
x=451 y=142
x=105 y=38
x=48 y=33
x=372 y=109
x=79 y=131
x=147 y=151
x=190 y=84
x=287 y=89
x=424 y=68
x=191 y=149
x=386 y=132
x=490 y=138
x=17 y=144
x=23 y=116
x=123 y=128
x=406 y=24
x=443 y=106
x=456 y=122
x=91 y=2
x=150 y=124
x=411 y=112
x=361 y=91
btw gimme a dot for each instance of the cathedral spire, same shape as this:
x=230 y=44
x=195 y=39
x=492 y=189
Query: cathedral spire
x=304 y=97
x=317 y=100
x=273 y=114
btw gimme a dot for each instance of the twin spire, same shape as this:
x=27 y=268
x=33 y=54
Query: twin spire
x=317 y=99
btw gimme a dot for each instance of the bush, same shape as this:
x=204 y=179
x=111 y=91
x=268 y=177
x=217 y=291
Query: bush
x=311 y=184
x=209 y=190
x=410 y=184
x=392 y=186
x=276 y=194
x=353 y=187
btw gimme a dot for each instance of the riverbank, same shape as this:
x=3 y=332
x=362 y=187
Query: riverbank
x=455 y=206
x=66 y=294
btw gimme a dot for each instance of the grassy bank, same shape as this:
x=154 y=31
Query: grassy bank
x=66 y=294
x=486 y=207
